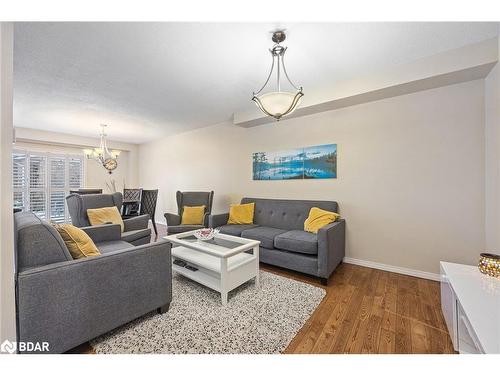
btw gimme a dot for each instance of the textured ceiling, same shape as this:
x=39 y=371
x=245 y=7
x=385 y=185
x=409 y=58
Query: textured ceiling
x=153 y=79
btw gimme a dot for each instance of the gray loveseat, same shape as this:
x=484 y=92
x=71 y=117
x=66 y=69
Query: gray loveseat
x=279 y=226
x=67 y=302
x=136 y=228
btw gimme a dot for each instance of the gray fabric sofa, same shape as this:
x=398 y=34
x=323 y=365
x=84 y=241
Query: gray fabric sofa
x=279 y=226
x=189 y=198
x=67 y=302
x=136 y=228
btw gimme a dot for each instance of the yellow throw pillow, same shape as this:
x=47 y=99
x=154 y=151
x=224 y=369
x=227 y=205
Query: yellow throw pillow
x=105 y=215
x=241 y=213
x=318 y=218
x=79 y=244
x=193 y=215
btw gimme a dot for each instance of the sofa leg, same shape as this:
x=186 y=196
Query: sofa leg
x=163 y=309
x=324 y=281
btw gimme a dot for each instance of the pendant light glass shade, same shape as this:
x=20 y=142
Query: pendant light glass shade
x=278 y=103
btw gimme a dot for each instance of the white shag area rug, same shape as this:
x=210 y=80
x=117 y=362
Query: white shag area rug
x=255 y=321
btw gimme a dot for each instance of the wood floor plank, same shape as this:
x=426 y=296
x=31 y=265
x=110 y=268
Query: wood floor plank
x=387 y=342
x=347 y=324
x=321 y=316
x=403 y=335
x=358 y=333
x=420 y=343
x=332 y=326
x=387 y=336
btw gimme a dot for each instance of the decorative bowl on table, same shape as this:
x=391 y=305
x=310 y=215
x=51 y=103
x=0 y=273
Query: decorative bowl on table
x=489 y=264
x=205 y=234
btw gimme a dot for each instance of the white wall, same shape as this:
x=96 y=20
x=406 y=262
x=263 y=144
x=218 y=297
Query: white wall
x=411 y=179
x=492 y=160
x=7 y=304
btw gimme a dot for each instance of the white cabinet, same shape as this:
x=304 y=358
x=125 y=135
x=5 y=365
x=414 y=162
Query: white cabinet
x=470 y=302
x=467 y=341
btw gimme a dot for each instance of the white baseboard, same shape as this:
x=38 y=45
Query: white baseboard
x=396 y=269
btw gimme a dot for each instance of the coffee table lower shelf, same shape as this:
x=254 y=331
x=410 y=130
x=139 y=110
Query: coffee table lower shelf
x=219 y=274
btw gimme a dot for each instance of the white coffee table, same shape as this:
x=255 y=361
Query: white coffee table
x=223 y=262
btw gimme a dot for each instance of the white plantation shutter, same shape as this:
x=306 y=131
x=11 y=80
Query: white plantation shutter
x=58 y=206
x=57 y=185
x=41 y=182
x=57 y=172
x=19 y=176
x=75 y=170
x=38 y=185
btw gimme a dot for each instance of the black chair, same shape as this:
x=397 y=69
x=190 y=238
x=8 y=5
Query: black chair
x=148 y=205
x=131 y=202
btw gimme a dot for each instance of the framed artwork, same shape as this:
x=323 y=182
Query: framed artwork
x=313 y=162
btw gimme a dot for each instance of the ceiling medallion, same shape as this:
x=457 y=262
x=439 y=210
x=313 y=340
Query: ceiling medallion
x=278 y=103
x=101 y=154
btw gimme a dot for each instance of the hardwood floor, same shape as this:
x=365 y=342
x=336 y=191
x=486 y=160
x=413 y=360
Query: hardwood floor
x=367 y=311
x=372 y=311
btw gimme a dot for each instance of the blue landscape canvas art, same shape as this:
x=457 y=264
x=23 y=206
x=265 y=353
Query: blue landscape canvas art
x=296 y=164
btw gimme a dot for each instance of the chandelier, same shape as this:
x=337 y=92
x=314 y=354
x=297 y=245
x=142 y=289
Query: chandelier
x=278 y=103
x=102 y=154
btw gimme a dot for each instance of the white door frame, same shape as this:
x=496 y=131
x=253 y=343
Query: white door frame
x=7 y=292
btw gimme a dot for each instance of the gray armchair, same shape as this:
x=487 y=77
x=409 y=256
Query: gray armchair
x=189 y=198
x=136 y=229
x=67 y=302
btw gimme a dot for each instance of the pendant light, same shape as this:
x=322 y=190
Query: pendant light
x=278 y=103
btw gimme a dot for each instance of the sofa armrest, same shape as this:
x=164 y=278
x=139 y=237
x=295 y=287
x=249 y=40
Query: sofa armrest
x=68 y=303
x=105 y=232
x=218 y=220
x=172 y=219
x=136 y=223
x=331 y=247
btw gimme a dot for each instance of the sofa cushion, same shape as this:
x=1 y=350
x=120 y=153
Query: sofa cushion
x=235 y=229
x=109 y=246
x=133 y=235
x=297 y=241
x=173 y=229
x=263 y=234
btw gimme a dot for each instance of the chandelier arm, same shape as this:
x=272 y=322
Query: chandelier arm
x=268 y=77
x=286 y=74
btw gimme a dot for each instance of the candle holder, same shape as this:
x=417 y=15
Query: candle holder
x=489 y=264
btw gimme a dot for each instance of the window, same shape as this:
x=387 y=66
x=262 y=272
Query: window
x=41 y=182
